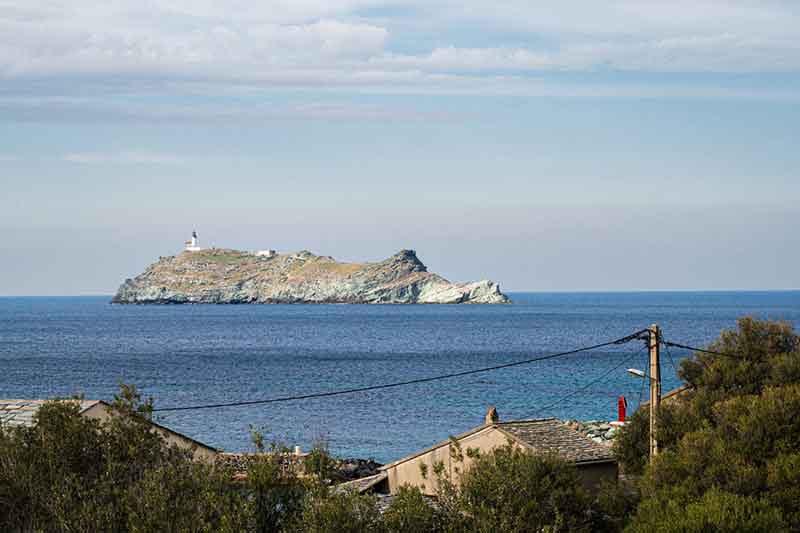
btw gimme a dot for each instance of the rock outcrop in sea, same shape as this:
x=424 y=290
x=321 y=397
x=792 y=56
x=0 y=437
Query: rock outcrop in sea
x=225 y=276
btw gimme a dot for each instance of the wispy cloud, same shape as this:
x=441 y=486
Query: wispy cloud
x=196 y=109
x=385 y=46
x=314 y=41
x=141 y=158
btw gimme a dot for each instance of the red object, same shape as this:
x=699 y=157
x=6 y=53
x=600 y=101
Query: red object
x=622 y=405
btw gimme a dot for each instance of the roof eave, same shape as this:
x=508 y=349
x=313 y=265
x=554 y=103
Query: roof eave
x=168 y=430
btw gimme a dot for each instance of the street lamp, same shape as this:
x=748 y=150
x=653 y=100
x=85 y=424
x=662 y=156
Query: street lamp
x=653 y=342
x=637 y=372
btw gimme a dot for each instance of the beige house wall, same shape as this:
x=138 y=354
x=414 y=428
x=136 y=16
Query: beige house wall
x=409 y=472
x=103 y=412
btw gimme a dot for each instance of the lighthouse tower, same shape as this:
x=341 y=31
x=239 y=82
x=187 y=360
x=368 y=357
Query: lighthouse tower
x=191 y=245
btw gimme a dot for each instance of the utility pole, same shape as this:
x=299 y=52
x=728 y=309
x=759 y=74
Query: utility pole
x=655 y=385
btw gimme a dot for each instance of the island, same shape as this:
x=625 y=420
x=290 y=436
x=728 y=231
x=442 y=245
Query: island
x=225 y=276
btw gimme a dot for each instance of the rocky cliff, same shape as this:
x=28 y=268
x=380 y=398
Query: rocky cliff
x=231 y=276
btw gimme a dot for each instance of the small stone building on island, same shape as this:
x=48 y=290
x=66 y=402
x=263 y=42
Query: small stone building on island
x=595 y=462
x=22 y=413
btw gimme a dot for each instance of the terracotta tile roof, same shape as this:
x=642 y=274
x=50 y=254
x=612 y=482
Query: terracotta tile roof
x=551 y=435
x=21 y=412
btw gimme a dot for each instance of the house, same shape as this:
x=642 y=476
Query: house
x=595 y=462
x=21 y=413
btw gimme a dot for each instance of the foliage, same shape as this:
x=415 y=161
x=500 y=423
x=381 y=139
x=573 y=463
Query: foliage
x=319 y=462
x=410 y=512
x=612 y=505
x=328 y=511
x=68 y=472
x=732 y=443
x=276 y=492
x=716 y=510
x=511 y=489
x=631 y=444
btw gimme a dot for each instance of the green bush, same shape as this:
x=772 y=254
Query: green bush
x=275 y=492
x=716 y=510
x=327 y=511
x=515 y=490
x=766 y=354
x=319 y=462
x=631 y=443
x=613 y=503
x=731 y=443
x=410 y=512
x=783 y=484
x=72 y=473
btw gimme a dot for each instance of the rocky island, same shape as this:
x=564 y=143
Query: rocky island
x=223 y=276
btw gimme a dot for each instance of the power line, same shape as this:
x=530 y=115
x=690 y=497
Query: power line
x=645 y=380
x=669 y=355
x=712 y=352
x=621 y=340
x=584 y=387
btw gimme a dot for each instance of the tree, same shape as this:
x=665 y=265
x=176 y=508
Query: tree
x=411 y=512
x=515 y=490
x=328 y=511
x=72 y=473
x=716 y=510
x=731 y=443
x=763 y=354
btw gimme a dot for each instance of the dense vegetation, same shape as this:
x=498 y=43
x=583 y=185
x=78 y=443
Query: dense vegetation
x=730 y=461
x=731 y=444
x=72 y=473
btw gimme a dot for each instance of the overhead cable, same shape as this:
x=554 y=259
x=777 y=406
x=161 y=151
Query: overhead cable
x=622 y=340
x=599 y=378
x=695 y=349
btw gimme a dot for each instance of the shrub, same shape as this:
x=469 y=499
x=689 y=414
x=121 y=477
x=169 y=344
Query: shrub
x=327 y=511
x=72 y=473
x=275 y=492
x=511 y=489
x=730 y=444
x=716 y=510
x=410 y=512
x=631 y=444
x=319 y=462
x=765 y=354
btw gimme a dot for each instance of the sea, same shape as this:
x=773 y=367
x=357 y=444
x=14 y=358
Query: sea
x=210 y=354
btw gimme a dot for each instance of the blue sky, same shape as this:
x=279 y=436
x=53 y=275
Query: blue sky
x=623 y=145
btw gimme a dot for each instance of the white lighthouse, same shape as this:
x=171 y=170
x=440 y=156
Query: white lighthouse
x=191 y=245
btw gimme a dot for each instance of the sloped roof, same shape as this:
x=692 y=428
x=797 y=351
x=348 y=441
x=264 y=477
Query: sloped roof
x=21 y=412
x=551 y=435
x=363 y=484
x=546 y=435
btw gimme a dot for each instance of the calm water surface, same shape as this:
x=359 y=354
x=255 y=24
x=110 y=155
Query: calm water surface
x=183 y=355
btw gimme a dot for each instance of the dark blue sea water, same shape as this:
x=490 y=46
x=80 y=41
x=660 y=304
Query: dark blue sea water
x=182 y=355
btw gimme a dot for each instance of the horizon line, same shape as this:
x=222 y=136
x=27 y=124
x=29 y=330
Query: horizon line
x=529 y=291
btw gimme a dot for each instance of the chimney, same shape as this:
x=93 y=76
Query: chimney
x=491 y=416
